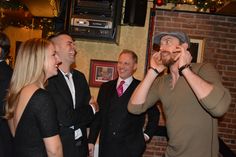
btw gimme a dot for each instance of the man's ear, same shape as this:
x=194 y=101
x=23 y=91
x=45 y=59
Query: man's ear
x=135 y=67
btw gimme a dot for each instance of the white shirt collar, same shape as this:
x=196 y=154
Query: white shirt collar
x=127 y=81
x=70 y=74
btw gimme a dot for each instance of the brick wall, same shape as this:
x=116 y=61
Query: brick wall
x=219 y=35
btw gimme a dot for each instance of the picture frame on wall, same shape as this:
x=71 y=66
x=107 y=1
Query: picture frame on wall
x=197 y=49
x=102 y=71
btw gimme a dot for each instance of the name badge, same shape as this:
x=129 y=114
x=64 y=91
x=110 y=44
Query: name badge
x=78 y=134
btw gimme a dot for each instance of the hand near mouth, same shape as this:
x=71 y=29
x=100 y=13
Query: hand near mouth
x=156 y=62
x=183 y=56
x=177 y=53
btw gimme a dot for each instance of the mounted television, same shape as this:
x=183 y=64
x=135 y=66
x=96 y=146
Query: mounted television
x=97 y=20
x=93 y=7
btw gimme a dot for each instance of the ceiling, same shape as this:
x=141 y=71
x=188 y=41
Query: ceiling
x=228 y=9
x=50 y=8
x=40 y=8
x=47 y=8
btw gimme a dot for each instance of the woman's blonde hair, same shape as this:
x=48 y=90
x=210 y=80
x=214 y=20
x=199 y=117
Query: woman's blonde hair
x=29 y=68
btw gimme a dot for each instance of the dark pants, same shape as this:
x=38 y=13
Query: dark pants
x=71 y=147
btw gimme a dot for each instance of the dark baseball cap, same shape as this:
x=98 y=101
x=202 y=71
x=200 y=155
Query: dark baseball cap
x=180 y=35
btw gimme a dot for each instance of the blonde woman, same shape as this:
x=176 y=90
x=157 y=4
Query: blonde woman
x=29 y=109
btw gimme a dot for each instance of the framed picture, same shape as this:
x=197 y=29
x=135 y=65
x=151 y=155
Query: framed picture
x=102 y=71
x=197 y=49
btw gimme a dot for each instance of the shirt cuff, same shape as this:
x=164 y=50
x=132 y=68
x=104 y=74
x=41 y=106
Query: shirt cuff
x=94 y=111
x=146 y=136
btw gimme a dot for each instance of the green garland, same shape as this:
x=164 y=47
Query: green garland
x=202 y=5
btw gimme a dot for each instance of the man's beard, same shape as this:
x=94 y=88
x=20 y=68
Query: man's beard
x=168 y=60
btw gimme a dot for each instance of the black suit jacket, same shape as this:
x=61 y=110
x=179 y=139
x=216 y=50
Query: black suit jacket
x=80 y=117
x=121 y=133
x=5 y=135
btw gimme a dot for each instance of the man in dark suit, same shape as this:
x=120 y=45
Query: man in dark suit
x=70 y=91
x=121 y=133
x=5 y=77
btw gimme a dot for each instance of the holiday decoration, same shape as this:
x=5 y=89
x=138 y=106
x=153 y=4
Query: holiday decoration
x=201 y=5
x=16 y=14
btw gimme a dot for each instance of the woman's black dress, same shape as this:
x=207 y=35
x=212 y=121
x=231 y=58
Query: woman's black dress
x=38 y=121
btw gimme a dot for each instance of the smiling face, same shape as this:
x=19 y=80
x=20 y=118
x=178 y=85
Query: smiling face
x=126 y=65
x=51 y=62
x=65 y=49
x=168 y=45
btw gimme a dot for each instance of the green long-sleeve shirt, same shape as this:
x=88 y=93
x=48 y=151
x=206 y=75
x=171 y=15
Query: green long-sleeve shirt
x=191 y=123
